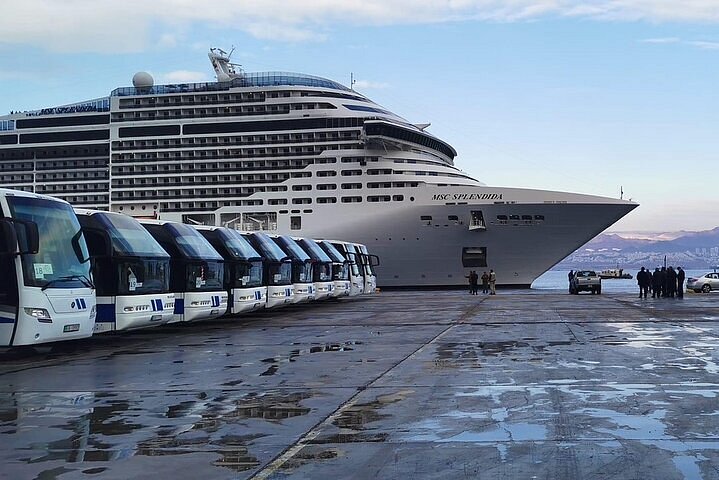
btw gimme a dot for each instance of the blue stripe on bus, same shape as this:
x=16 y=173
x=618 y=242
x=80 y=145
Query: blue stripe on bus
x=105 y=313
x=7 y=320
x=84 y=305
x=179 y=306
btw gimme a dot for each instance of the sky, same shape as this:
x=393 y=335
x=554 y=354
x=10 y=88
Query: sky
x=594 y=96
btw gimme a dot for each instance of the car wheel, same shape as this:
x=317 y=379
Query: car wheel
x=706 y=288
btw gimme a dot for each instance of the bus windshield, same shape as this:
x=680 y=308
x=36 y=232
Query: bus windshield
x=293 y=250
x=129 y=238
x=268 y=247
x=192 y=243
x=314 y=250
x=353 y=256
x=333 y=253
x=56 y=265
x=237 y=245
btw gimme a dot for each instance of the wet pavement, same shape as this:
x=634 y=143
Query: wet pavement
x=524 y=384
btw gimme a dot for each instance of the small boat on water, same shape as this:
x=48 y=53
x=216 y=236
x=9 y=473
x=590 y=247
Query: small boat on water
x=614 y=273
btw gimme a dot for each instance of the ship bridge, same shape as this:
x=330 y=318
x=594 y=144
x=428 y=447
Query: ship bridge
x=388 y=133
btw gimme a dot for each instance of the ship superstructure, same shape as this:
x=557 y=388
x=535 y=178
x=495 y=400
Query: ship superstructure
x=295 y=154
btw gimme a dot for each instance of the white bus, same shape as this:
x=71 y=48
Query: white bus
x=276 y=269
x=340 y=269
x=197 y=271
x=243 y=268
x=321 y=268
x=46 y=291
x=131 y=272
x=304 y=288
x=368 y=262
x=356 y=270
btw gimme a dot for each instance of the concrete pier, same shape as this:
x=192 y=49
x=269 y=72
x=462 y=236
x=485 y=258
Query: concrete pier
x=524 y=384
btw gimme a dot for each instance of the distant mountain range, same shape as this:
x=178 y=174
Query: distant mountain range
x=631 y=249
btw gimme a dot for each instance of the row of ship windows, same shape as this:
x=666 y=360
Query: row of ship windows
x=32 y=153
x=43 y=177
x=71 y=187
x=210 y=99
x=254 y=164
x=44 y=165
x=236 y=153
x=218 y=192
x=500 y=218
x=96 y=200
x=269 y=139
x=179 y=113
x=7 y=125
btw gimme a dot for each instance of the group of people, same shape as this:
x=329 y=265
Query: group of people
x=663 y=283
x=489 y=282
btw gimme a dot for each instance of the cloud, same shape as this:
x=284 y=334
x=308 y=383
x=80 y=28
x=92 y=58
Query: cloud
x=703 y=44
x=183 y=76
x=661 y=40
x=104 y=26
x=367 y=85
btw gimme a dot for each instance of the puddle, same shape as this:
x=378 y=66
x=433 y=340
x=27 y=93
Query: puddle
x=354 y=421
x=292 y=357
x=310 y=454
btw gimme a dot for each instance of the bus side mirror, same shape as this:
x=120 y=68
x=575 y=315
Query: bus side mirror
x=374 y=260
x=28 y=237
x=8 y=238
x=77 y=248
x=98 y=242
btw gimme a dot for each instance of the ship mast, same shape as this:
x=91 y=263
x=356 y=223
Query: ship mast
x=225 y=70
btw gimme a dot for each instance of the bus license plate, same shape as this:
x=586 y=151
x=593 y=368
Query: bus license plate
x=73 y=327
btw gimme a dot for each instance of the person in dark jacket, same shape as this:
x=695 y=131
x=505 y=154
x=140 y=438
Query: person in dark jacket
x=644 y=279
x=671 y=282
x=681 y=276
x=485 y=282
x=570 y=276
x=473 y=278
x=656 y=283
x=663 y=281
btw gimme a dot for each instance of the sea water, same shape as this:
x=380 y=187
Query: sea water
x=558 y=280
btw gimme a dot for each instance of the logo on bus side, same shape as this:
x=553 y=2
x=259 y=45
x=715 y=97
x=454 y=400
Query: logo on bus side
x=157 y=305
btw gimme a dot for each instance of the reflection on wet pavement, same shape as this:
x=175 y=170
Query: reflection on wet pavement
x=515 y=386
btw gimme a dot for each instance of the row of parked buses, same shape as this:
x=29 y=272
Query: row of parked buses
x=66 y=274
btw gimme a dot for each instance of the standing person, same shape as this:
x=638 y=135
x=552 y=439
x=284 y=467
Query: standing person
x=473 y=281
x=663 y=281
x=671 y=283
x=470 y=277
x=485 y=282
x=656 y=283
x=644 y=279
x=681 y=276
x=492 y=282
x=570 y=276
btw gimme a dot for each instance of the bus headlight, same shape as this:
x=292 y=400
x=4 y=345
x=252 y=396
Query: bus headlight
x=93 y=313
x=41 y=314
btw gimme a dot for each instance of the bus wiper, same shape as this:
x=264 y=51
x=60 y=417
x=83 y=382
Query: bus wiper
x=82 y=278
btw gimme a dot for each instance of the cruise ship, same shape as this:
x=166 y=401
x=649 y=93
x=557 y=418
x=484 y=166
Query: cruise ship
x=296 y=154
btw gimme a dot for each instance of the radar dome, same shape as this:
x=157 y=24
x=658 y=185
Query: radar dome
x=142 y=80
